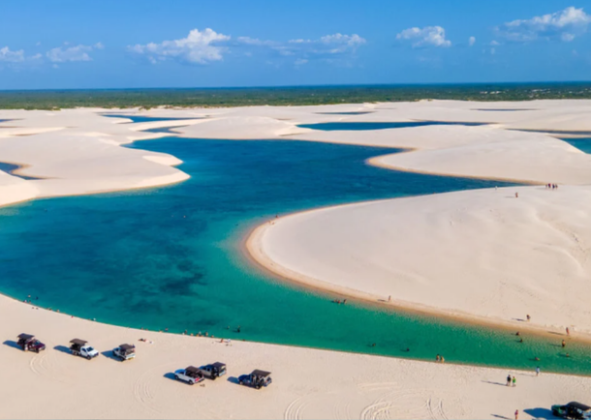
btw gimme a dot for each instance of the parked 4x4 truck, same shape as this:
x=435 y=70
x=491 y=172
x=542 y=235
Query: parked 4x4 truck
x=80 y=348
x=124 y=352
x=214 y=370
x=28 y=342
x=190 y=375
x=257 y=379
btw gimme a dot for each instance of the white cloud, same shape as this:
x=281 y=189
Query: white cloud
x=428 y=36
x=7 y=55
x=494 y=43
x=199 y=47
x=471 y=41
x=76 y=53
x=566 y=25
x=327 y=47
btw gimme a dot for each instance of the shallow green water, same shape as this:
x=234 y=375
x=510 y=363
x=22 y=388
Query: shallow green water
x=171 y=257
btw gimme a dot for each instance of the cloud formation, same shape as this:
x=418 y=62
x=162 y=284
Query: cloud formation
x=6 y=55
x=566 y=25
x=429 y=36
x=76 y=53
x=199 y=47
x=328 y=47
x=471 y=41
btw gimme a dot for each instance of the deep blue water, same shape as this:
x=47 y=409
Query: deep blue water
x=505 y=109
x=171 y=257
x=334 y=126
x=583 y=144
x=11 y=167
x=141 y=118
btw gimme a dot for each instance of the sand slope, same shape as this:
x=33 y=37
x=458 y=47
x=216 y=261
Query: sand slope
x=475 y=254
x=307 y=384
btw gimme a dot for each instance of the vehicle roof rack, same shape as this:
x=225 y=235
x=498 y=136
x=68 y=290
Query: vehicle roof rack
x=25 y=336
x=580 y=406
x=78 y=342
x=258 y=372
x=192 y=369
x=127 y=347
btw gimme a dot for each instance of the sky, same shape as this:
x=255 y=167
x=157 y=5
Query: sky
x=174 y=43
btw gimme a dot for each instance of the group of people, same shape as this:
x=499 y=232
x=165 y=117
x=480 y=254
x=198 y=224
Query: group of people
x=552 y=186
x=511 y=381
x=440 y=359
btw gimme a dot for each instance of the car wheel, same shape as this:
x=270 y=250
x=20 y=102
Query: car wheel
x=36 y=350
x=258 y=387
x=88 y=357
x=191 y=382
x=241 y=383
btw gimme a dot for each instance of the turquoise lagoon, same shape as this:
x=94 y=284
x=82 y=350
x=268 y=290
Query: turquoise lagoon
x=583 y=144
x=172 y=257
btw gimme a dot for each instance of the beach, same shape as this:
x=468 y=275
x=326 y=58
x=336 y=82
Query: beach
x=492 y=256
x=306 y=384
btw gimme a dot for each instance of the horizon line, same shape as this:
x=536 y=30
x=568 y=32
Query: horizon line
x=316 y=86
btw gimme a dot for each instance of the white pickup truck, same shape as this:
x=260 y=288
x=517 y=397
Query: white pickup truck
x=190 y=375
x=124 y=352
x=82 y=349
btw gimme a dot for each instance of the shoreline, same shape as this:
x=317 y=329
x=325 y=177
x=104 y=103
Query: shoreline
x=252 y=247
x=378 y=163
x=307 y=383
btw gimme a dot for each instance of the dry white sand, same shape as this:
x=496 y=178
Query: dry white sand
x=307 y=384
x=477 y=254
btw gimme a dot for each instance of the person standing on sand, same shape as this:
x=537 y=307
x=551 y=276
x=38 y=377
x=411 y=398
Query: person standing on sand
x=514 y=381
x=390 y=298
x=567 y=331
x=516 y=195
x=508 y=380
x=538 y=371
x=516 y=414
x=438 y=358
x=528 y=317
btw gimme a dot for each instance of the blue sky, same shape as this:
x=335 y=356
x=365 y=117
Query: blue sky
x=173 y=43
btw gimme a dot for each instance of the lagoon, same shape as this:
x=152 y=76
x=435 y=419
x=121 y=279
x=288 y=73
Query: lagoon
x=172 y=257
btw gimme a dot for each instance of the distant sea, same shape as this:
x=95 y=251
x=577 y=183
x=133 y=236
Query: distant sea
x=289 y=95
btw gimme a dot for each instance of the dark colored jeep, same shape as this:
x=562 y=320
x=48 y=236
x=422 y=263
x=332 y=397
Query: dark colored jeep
x=257 y=379
x=215 y=370
x=28 y=342
x=572 y=410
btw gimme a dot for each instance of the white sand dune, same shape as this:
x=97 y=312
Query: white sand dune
x=78 y=152
x=477 y=254
x=307 y=384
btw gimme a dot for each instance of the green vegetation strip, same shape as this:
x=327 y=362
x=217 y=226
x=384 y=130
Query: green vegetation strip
x=317 y=95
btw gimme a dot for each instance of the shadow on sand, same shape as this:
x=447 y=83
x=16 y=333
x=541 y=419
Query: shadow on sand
x=12 y=344
x=540 y=413
x=234 y=380
x=63 y=349
x=110 y=355
x=494 y=383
